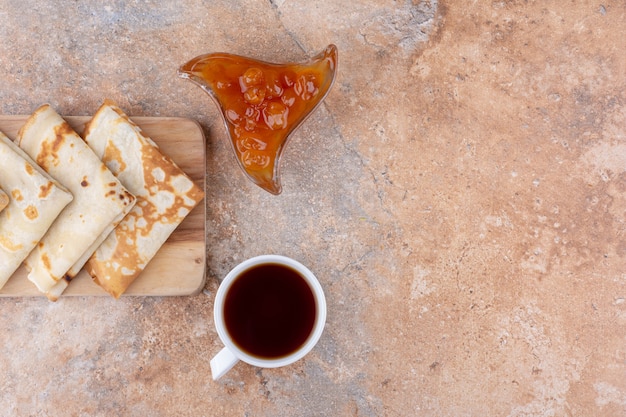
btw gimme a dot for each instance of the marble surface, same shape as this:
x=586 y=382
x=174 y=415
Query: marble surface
x=461 y=195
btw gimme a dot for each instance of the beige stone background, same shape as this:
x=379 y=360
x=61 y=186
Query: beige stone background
x=460 y=195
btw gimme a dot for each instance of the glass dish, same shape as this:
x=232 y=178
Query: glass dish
x=262 y=104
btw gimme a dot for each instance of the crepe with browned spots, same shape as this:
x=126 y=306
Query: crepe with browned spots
x=100 y=200
x=165 y=196
x=35 y=201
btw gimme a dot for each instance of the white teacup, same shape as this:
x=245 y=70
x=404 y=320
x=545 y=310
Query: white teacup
x=269 y=311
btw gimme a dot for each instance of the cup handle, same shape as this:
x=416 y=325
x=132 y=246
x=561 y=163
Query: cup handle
x=222 y=363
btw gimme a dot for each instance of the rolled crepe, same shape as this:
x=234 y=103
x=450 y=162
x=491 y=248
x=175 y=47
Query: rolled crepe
x=36 y=201
x=99 y=198
x=165 y=196
x=4 y=199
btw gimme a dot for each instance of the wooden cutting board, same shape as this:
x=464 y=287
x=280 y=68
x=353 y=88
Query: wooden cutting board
x=179 y=267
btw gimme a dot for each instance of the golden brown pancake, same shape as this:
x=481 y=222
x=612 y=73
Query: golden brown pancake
x=36 y=201
x=165 y=196
x=100 y=200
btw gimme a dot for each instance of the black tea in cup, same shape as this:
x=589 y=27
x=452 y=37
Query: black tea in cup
x=269 y=310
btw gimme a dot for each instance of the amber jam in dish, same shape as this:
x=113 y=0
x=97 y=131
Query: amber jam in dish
x=262 y=103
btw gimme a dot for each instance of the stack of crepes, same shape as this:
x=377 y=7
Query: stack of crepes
x=67 y=206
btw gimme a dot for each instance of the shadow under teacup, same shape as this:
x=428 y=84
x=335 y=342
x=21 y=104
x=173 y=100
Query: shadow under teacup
x=269 y=311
